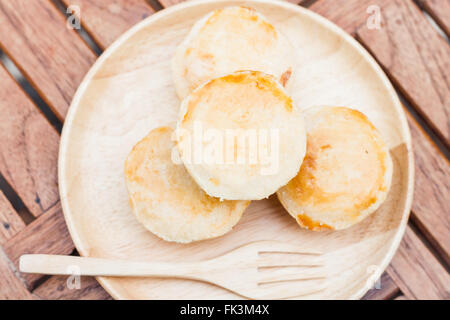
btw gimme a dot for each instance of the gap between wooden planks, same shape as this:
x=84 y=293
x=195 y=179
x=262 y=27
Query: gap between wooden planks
x=28 y=136
x=106 y=20
x=395 y=45
x=10 y=221
x=440 y=11
x=54 y=58
x=350 y=15
x=29 y=148
x=417 y=60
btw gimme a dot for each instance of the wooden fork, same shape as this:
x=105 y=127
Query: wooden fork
x=259 y=270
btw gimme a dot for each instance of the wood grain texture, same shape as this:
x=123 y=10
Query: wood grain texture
x=11 y=287
x=417 y=272
x=56 y=288
x=47 y=234
x=431 y=205
x=282 y=262
x=97 y=139
x=105 y=21
x=10 y=221
x=295 y=1
x=28 y=149
x=388 y=288
x=52 y=56
x=347 y=14
x=416 y=58
x=168 y=3
x=440 y=11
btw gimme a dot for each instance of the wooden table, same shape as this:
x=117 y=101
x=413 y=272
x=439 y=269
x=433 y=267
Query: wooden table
x=44 y=61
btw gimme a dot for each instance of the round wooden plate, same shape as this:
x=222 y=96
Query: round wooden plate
x=129 y=91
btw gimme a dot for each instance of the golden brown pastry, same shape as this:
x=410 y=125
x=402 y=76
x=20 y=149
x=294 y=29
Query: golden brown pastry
x=259 y=130
x=346 y=173
x=167 y=201
x=228 y=40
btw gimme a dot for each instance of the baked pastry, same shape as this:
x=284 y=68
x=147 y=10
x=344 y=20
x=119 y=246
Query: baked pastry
x=167 y=201
x=240 y=136
x=346 y=174
x=228 y=40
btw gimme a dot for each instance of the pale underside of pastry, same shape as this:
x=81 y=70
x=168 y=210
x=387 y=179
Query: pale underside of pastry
x=252 y=138
x=346 y=174
x=167 y=201
x=229 y=40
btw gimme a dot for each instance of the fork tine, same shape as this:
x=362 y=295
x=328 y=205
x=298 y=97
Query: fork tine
x=291 y=274
x=291 y=289
x=282 y=259
x=292 y=251
x=281 y=247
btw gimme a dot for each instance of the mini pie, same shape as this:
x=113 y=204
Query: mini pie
x=346 y=174
x=167 y=201
x=251 y=129
x=229 y=40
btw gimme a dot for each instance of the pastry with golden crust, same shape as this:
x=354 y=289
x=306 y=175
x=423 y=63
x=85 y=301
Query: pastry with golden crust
x=346 y=174
x=228 y=40
x=252 y=129
x=167 y=201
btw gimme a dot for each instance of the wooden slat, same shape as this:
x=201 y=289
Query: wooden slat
x=61 y=279
x=431 y=205
x=440 y=11
x=168 y=3
x=347 y=14
x=387 y=289
x=56 y=288
x=395 y=46
x=10 y=221
x=28 y=148
x=52 y=57
x=47 y=234
x=417 y=272
x=11 y=287
x=294 y=1
x=401 y=297
x=416 y=58
x=107 y=20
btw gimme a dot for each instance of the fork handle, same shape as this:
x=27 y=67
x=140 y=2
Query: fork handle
x=82 y=266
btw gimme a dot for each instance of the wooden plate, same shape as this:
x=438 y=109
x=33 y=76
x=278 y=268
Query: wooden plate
x=129 y=91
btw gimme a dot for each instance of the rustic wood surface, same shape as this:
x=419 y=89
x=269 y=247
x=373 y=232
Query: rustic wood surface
x=414 y=265
x=48 y=234
x=12 y=286
x=106 y=20
x=430 y=205
x=55 y=59
x=27 y=160
x=93 y=146
x=10 y=221
x=348 y=14
x=385 y=289
x=168 y=3
x=440 y=11
x=416 y=58
x=56 y=288
x=430 y=210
